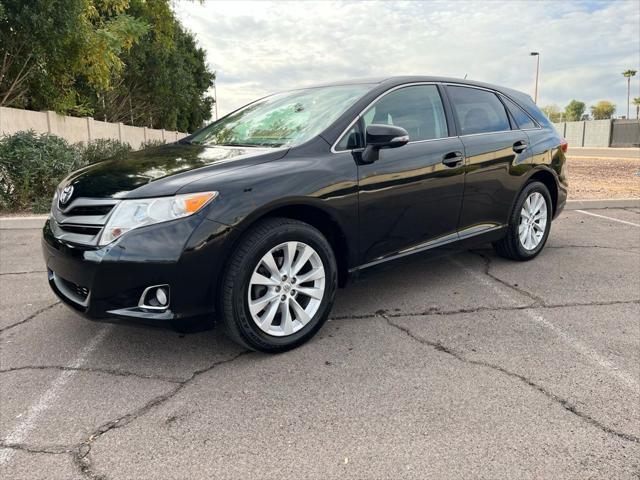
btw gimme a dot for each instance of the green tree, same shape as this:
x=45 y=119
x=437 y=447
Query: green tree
x=628 y=74
x=166 y=79
x=603 y=110
x=636 y=102
x=49 y=49
x=574 y=111
x=118 y=60
x=553 y=113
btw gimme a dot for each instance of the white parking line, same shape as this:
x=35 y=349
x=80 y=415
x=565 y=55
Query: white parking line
x=20 y=432
x=609 y=218
x=580 y=347
x=591 y=355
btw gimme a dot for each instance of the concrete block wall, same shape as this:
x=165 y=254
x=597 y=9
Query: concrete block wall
x=561 y=128
x=75 y=129
x=574 y=133
x=591 y=133
x=597 y=133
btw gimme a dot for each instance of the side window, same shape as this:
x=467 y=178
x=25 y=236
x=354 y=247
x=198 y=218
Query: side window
x=350 y=140
x=418 y=109
x=522 y=119
x=478 y=111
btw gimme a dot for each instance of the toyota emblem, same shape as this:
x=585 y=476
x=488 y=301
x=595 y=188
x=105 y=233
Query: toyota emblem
x=65 y=195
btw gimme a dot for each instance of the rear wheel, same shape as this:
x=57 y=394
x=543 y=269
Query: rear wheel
x=529 y=224
x=279 y=286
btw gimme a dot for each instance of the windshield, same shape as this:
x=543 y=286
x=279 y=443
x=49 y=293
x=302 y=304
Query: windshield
x=284 y=119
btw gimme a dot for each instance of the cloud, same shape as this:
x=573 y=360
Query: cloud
x=263 y=47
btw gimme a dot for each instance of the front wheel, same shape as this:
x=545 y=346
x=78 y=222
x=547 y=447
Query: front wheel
x=279 y=286
x=529 y=224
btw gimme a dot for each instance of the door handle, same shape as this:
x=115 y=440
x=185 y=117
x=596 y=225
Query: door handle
x=520 y=146
x=452 y=159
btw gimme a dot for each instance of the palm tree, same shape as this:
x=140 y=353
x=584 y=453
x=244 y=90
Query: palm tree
x=628 y=74
x=636 y=102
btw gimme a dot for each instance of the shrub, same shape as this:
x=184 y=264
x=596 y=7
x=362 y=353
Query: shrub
x=32 y=165
x=102 y=149
x=152 y=144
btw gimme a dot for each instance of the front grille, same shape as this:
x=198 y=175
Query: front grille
x=82 y=230
x=85 y=210
x=82 y=221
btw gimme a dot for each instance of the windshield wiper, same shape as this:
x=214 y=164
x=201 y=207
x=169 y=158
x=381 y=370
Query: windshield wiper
x=247 y=145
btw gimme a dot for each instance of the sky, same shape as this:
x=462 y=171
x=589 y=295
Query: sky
x=257 y=48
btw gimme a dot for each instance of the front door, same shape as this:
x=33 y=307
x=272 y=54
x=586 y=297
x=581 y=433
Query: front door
x=413 y=194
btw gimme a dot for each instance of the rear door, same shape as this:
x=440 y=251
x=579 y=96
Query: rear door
x=412 y=194
x=496 y=157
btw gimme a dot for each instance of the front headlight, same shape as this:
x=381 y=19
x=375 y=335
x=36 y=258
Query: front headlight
x=130 y=214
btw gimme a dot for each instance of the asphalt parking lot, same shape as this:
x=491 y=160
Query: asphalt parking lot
x=450 y=365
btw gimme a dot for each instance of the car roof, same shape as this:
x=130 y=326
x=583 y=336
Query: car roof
x=399 y=80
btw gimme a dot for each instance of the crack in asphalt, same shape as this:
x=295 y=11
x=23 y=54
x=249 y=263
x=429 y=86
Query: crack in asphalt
x=22 y=273
x=437 y=311
x=564 y=403
x=593 y=246
x=81 y=452
x=487 y=271
x=109 y=371
x=25 y=447
x=30 y=317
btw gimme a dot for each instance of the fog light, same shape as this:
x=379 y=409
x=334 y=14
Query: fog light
x=155 y=297
x=161 y=296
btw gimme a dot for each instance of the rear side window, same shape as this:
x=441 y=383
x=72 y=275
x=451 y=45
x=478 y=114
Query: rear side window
x=522 y=119
x=418 y=109
x=478 y=111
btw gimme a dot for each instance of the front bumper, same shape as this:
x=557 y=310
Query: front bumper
x=103 y=283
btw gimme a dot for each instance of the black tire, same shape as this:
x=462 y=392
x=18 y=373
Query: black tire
x=510 y=246
x=255 y=243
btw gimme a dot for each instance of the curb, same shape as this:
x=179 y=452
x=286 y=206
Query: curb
x=602 y=203
x=595 y=157
x=607 y=149
x=22 y=223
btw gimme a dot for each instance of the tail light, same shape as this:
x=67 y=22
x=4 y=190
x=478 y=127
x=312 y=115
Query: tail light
x=564 y=145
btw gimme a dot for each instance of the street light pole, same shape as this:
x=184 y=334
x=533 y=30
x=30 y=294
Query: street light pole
x=215 y=96
x=537 y=55
x=628 y=74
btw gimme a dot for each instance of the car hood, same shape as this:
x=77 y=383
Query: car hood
x=161 y=171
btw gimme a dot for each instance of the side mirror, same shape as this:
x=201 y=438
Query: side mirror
x=382 y=136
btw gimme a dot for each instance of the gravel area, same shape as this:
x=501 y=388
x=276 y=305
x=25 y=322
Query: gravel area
x=604 y=178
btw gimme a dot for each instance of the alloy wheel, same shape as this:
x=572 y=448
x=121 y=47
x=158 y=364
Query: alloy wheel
x=533 y=221
x=286 y=288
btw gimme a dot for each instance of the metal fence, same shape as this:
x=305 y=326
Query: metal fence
x=601 y=133
x=625 y=133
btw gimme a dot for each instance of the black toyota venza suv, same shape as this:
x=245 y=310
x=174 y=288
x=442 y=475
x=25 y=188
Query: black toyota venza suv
x=257 y=218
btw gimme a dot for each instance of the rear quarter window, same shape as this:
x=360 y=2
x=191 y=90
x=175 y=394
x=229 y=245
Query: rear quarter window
x=526 y=102
x=523 y=120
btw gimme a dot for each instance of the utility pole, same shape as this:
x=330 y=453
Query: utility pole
x=535 y=94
